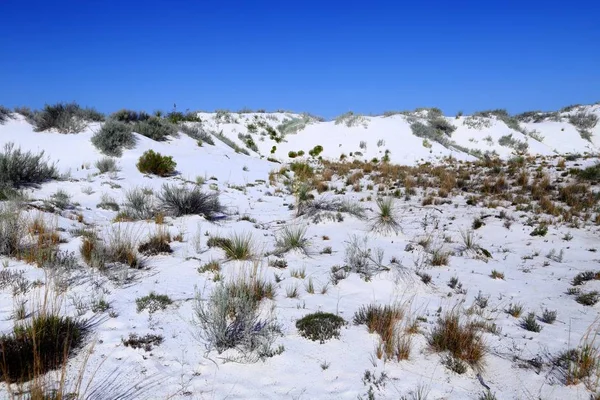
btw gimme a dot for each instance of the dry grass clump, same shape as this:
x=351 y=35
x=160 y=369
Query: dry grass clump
x=384 y=320
x=292 y=238
x=118 y=247
x=239 y=246
x=157 y=243
x=461 y=339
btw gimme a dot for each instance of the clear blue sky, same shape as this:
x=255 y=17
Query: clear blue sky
x=326 y=57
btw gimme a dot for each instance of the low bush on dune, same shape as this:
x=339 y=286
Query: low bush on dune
x=18 y=168
x=155 y=128
x=5 y=114
x=130 y=116
x=197 y=133
x=65 y=117
x=157 y=164
x=320 y=326
x=113 y=137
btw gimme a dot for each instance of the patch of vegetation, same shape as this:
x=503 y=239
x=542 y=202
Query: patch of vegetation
x=320 y=326
x=146 y=342
x=19 y=168
x=113 y=137
x=292 y=238
x=155 y=163
x=153 y=302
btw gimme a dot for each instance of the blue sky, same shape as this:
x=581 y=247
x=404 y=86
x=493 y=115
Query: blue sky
x=326 y=57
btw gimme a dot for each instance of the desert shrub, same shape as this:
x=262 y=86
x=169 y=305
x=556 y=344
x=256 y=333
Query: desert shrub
x=146 y=342
x=588 y=298
x=64 y=117
x=113 y=137
x=248 y=141
x=350 y=119
x=139 y=204
x=196 y=132
x=440 y=124
x=585 y=276
x=107 y=164
x=294 y=125
x=362 y=259
x=176 y=117
x=590 y=173
x=292 y=154
x=130 y=116
x=429 y=132
x=177 y=201
x=320 y=326
x=5 y=114
x=461 y=340
x=155 y=163
x=42 y=343
x=529 y=323
x=292 y=238
x=19 y=168
x=155 y=128
x=13 y=228
x=231 y=143
x=153 y=302
x=579 y=363
x=218 y=241
x=231 y=319
x=583 y=121
x=515 y=144
x=108 y=203
x=386 y=220
x=315 y=151
x=548 y=316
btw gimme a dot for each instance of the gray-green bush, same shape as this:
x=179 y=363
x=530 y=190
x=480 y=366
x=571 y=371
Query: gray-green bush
x=155 y=128
x=19 y=168
x=64 y=117
x=5 y=114
x=196 y=132
x=113 y=137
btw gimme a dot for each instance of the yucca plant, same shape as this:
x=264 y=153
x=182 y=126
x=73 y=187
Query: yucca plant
x=386 y=220
x=292 y=238
x=239 y=246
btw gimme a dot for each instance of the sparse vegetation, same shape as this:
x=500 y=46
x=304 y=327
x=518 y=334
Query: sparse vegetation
x=180 y=200
x=155 y=163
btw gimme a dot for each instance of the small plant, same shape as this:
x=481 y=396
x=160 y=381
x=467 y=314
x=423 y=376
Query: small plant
x=292 y=238
x=540 y=230
x=155 y=163
x=113 y=137
x=461 y=340
x=382 y=320
x=64 y=117
x=239 y=247
x=139 y=204
x=454 y=364
x=178 y=201
x=529 y=323
x=515 y=310
x=153 y=302
x=439 y=257
x=497 y=275
x=585 y=276
x=320 y=326
x=146 y=342
x=548 y=316
x=107 y=164
x=386 y=220
x=477 y=223
x=588 y=298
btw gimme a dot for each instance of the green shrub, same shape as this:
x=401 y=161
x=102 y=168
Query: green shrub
x=153 y=302
x=157 y=164
x=292 y=154
x=196 y=132
x=176 y=117
x=318 y=149
x=130 y=116
x=320 y=326
x=113 y=137
x=155 y=128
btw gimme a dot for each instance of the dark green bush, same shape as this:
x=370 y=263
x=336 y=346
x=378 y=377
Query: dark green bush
x=113 y=137
x=157 y=164
x=292 y=154
x=320 y=326
x=130 y=116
